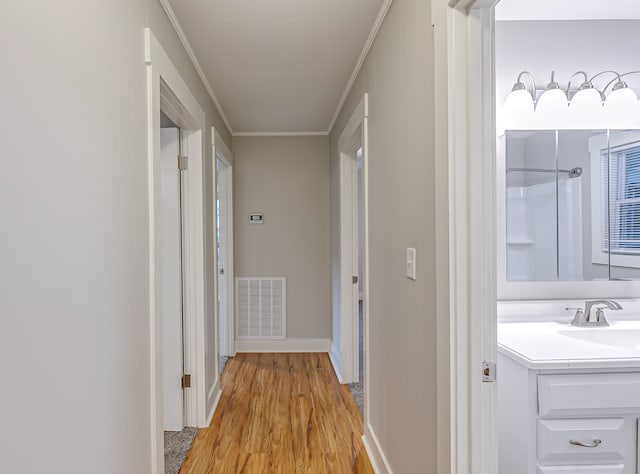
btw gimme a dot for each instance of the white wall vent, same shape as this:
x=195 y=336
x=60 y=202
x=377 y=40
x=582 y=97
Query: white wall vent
x=261 y=308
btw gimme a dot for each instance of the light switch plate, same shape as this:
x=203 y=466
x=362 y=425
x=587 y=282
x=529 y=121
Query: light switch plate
x=411 y=263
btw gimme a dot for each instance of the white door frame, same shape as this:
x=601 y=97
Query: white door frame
x=353 y=137
x=225 y=182
x=167 y=90
x=465 y=134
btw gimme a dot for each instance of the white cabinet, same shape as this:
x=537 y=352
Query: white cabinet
x=567 y=421
x=612 y=469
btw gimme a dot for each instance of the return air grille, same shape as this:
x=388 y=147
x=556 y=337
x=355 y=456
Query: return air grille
x=261 y=308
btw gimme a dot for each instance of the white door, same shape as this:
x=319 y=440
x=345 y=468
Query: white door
x=171 y=271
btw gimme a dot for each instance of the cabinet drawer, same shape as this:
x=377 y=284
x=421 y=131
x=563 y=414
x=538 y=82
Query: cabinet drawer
x=615 y=469
x=557 y=441
x=593 y=394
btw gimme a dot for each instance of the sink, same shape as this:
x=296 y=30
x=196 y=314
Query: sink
x=548 y=345
x=605 y=336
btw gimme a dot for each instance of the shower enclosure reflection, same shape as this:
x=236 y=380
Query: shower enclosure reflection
x=572 y=205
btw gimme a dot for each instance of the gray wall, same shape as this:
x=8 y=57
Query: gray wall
x=74 y=285
x=287 y=178
x=398 y=74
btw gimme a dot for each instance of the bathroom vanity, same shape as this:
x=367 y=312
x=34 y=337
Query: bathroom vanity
x=569 y=398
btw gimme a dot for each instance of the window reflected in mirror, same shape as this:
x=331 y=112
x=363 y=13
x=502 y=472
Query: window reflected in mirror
x=572 y=205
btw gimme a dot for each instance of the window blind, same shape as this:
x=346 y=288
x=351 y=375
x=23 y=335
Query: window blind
x=621 y=200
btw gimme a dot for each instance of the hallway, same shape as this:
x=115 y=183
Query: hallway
x=281 y=413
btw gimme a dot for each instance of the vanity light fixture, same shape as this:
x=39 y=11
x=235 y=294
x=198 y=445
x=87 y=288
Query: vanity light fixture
x=584 y=106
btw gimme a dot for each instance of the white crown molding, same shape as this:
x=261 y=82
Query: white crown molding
x=280 y=134
x=384 y=9
x=187 y=46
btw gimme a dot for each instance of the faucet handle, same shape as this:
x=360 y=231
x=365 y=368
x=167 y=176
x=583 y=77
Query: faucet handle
x=577 y=319
x=600 y=319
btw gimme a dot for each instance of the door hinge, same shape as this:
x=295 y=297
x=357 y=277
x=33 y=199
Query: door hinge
x=354 y=279
x=186 y=381
x=488 y=371
x=183 y=162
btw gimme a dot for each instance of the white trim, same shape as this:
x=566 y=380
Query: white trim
x=447 y=144
x=213 y=398
x=320 y=133
x=372 y=446
x=482 y=287
x=382 y=13
x=283 y=345
x=192 y=55
x=164 y=80
x=336 y=361
x=469 y=336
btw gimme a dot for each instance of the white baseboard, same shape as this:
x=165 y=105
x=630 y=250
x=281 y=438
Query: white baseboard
x=283 y=345
x=377 y=458
x=213 y=398
x=336 y=361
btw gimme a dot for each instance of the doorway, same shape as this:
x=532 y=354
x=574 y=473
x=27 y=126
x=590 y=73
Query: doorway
x=171 y=252
x=223 y=180
x=357 y=386
x=168 y=92
x=349 y=347
x=175 y=367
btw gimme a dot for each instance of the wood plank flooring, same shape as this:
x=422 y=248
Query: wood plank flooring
x=280 y=414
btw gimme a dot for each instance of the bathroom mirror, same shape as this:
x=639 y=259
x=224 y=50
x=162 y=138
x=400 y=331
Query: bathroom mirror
x=571 y=205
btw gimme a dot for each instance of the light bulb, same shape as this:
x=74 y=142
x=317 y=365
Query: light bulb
x=518 y=110
x=585 y=110
x=621 y=108
x=552 y=110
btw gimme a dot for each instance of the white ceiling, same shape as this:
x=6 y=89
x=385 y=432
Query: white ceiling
x=277 y=66
x=510 y=10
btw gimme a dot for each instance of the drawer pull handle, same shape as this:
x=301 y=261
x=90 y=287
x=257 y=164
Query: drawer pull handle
x=596 y=443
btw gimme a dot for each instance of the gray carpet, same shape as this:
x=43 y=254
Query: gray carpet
x=357 y=389
x=176 y=445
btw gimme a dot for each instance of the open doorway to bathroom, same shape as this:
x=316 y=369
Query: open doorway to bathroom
x=568 y=135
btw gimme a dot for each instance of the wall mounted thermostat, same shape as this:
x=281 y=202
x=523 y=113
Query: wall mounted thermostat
x=256 y=218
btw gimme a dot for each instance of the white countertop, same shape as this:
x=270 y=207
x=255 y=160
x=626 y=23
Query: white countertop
x=553 y=345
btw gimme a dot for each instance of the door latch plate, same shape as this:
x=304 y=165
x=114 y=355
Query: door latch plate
x=488 y=371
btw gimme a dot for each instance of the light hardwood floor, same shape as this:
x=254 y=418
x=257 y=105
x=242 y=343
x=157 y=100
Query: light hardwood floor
x=284 y=414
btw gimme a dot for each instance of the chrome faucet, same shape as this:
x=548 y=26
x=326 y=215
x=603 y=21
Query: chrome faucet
x=584 y=317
